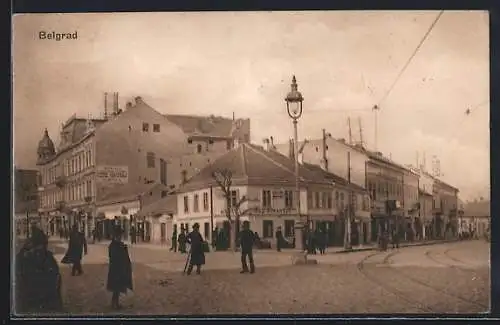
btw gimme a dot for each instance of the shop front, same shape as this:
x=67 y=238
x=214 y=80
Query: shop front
x=113 y=215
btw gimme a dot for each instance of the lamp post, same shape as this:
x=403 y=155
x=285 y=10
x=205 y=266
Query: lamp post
x=294 y=101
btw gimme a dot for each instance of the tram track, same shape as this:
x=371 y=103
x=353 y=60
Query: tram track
x=434 y=288
x=426 y=298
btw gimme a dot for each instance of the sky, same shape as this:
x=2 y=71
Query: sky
x=242 y=62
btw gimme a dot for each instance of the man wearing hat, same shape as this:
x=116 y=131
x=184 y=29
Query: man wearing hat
x=196 y=241
x=120 y=268
x=247 y=240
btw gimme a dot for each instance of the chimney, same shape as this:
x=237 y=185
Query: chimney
x=267 y=143
x=138 y=100
x=106 y=105
x=272 y=142
x=291 y=149
x=233 y=116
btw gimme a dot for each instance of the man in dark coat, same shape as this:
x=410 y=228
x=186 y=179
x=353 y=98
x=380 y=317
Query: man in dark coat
x=174 y=240
x=279 y=239
x=182 y=241
x=247 y=239
x=120 y=268
x=133 y=235
x=76 y=248
x=321 y=240
x=196 y=241
x=37 y=278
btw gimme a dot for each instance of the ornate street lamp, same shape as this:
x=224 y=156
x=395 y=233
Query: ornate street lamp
x=294 y=101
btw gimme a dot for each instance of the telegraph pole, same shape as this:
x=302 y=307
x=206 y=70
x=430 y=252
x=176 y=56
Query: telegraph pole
x=211 y=214
x=347 y=236
x=349 y=125
x=324 y=150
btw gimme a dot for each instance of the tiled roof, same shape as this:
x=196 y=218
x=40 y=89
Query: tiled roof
x=167 y=204
x=252 y=165
x=126 y=192
x=203 y=125
x=477 y=209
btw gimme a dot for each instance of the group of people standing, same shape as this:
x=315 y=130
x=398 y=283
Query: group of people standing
x=38 y=278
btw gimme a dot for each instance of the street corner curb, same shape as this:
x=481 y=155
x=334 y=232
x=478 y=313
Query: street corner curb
x=345 y=251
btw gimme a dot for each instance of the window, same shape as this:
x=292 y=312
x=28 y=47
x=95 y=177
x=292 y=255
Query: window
x=163 y=193
x=184 y=176
x=341 y=201
x=267 y=229
x=330 y=200
x=163 y=172
x=90 y=158
x=206 y=230
x=199 y=148
x=309 y=200
x=355 y=202
x=196 y=207
x=150 y=158
x=205 y=201
x=233 y=198
x=324 y=199
x=145 y=127
x=210 y=141
x=289 y=228
x=266 y=199
x=186 y=204
x=228 y=145
x=288 y=199
x=156 y=127
x=317 y=202
x=190 y=141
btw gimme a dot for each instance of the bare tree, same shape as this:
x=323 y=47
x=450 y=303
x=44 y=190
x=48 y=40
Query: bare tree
x=224 y=180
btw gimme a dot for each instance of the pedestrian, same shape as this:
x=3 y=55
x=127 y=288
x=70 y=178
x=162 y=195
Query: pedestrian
x=311 y=243
x=37 y=277
x=182 y=241
x=215 y=234
x=321 y=241
x=196 y=242
x=76 y=248
x=174 y=240
x=247 y=239
x=395 y=238
x=133 y=235
x=279 y=239
x=120 y=268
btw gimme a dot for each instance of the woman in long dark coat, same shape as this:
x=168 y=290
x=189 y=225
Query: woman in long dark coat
x=38 y=280
x=120 y=268
x=195 y=239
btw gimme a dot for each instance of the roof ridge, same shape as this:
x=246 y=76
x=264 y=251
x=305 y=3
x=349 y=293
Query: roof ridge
x=272 y=160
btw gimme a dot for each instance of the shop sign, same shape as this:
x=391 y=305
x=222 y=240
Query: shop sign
x=112 y=174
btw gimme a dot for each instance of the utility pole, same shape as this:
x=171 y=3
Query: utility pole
x=211 y=214
x=349 y=125
x=360 y=132
x=347 y=234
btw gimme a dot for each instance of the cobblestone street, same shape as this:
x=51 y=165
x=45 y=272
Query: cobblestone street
x=408 y=280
